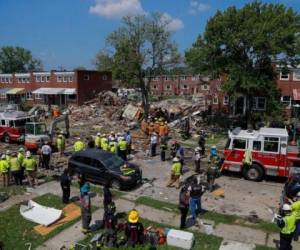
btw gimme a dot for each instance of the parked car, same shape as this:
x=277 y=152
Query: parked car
x=102 y=167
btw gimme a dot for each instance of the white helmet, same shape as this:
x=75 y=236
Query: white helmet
x=298 y=195
x=175 y=159
x=28 y=154
x=286 y=207
x=98 y=134
x=3 y=157
x=213 y=146
x=8 y=152
x=197 y=149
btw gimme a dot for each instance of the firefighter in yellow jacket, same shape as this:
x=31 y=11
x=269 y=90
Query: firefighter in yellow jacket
x=4 y=167
x=30 y=166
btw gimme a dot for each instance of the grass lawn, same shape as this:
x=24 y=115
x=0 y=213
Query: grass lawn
x=202 y=241
x=16 y=231
x=13 y=190
x=217 y=138
x=214 y=216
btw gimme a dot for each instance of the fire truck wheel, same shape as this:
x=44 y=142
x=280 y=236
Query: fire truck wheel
x=6 y=138
x=253 y=173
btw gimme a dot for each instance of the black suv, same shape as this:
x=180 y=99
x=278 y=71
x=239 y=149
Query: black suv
x=102 y=167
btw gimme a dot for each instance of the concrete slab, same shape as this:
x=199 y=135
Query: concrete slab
x=240 y=234
x=235 y=245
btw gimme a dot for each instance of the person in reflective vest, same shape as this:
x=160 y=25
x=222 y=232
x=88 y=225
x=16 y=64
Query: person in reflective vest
x=163 y=148
x=4 y=167
x=15 y=169
x=103 y=138
x=287 y=223
x=78 y=145
x=175 y=173
x=61 y=144
x=113 y=146
x=296 y=211
x=98 y=141
x=21 y=157
x=30 y=166
x=122 y=148
x=134 y=230
x=104 y=144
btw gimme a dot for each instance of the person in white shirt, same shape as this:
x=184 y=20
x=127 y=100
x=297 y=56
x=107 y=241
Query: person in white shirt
x=153 y=144
x=46 y=155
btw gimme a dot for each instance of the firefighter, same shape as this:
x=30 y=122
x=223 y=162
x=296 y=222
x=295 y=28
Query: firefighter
x=4 y=167
x=161 y=130
x=110 y=225
x=8 y=157
x=197 y=159
x=15 y=168
x=134 y=230
x=174 y=147
x=184 y=197
x=211 y=174
x=175 y=173
x=65 y=183
x=296 y=210
x=78 y=145
x=122 y=148
x=98 y=140
x=287 y=223
x=86 y=212
x=61 y=144
x=30 y=166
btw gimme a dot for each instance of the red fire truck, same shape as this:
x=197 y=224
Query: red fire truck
x=12 y=125
x=270 y=153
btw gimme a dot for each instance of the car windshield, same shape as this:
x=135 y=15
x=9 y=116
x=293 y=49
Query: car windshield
x=113 y=162
x=35 y=129
x=20 y=123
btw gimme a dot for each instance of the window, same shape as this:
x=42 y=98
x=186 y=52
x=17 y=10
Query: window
x=239 y=144
x=28 y=95
x=215 y=100
x=38 y=78
x=259 y=103
x=284 y=75
x=6 y=79
x=296 y=75
x=59 y=78
x=257 y=145
x=98 y=165
x=47 y=78
x=154 y=86
x=70 y=78
x=183 y=78
x=227 y=143
x=43 y=79
x=286 y=100
x=2 y=122
x=2 y=96
x=194 y=78
x=104 y=77
x=65 y=79
x=166 y=78
x=205 y=87
x=155 y=78
x=82 y=159
x=226 y=100
x=185 y=87
x=86 y=77
x=19 y=80
x=168 y=86
x=271 y=144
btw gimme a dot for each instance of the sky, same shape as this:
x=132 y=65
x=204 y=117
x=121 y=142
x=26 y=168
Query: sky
x=69 y=33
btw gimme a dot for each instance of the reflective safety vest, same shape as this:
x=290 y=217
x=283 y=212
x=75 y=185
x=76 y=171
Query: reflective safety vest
x=4 y=166
x=289 y=224
x=98 y=141
x=113 y=146
x=103 y=141
x=296 y=209
x=21 y=157
x=105 y=145
x=176 y=168
x=29 y=164
x=14 y=164
x=8 y=157
x=78 y=146
x=122 y=145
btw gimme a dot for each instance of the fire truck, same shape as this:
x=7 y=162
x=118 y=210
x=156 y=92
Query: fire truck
x=12 y=125
x=269 y=150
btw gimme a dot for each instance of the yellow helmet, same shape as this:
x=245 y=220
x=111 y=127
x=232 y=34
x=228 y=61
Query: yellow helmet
x=133 y=216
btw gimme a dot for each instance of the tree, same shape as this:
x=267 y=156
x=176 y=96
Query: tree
x=243 y=44
x=137 y=50
x=17 y=59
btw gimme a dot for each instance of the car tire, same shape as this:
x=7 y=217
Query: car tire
x=115 y=184
x=6 y=138
x=253 y=173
